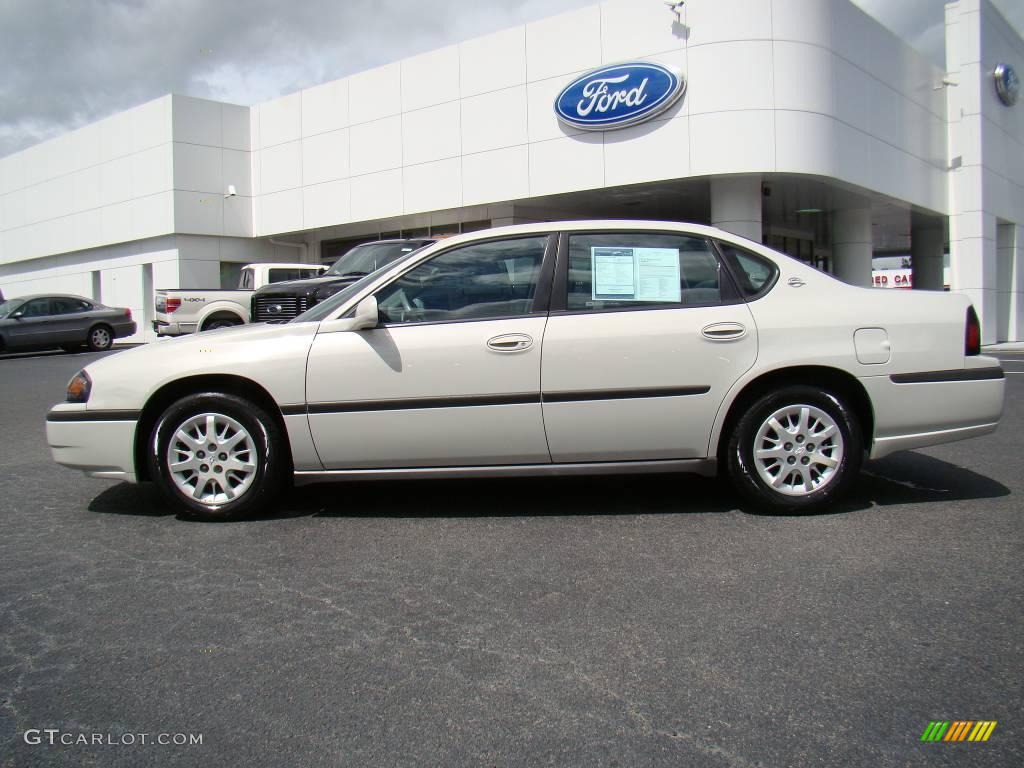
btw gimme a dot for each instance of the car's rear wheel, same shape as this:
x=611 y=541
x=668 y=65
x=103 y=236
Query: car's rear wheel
x=217 y=456
x=795 y=450
x=100 y=338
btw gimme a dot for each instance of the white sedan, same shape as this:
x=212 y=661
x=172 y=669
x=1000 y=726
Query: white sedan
x=559 y=348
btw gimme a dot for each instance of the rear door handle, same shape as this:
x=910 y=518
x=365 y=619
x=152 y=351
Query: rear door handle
x=510 y=342
x=724 y=331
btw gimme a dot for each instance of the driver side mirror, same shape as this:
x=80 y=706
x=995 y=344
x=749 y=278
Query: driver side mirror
x=17 y=314
x=367 y=314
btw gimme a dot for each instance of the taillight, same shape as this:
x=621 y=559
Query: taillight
x=128 y=313
x=972 y=335
x=172 y=305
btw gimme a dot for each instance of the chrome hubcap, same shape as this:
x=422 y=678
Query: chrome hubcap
x=212 y=459
x=797 y=450
x=100 y=337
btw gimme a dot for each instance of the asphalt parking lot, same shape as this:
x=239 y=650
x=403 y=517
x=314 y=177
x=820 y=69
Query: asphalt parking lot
x=640 y=621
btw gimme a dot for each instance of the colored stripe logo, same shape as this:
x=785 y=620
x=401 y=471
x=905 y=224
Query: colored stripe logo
x=958 y=730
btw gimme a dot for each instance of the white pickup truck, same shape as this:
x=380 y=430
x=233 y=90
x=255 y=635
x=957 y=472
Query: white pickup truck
x=181 y=310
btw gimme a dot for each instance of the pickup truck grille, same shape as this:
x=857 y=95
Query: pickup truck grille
x=271 y=309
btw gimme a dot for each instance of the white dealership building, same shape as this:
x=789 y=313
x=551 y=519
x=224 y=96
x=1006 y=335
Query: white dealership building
x=804 y=124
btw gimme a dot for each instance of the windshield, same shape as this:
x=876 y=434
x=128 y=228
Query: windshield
x=369 y=257
x=9 y=306
x=326 y=307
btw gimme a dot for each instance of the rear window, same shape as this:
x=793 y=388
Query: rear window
x=755 y=274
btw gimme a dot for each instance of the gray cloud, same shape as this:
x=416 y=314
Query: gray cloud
x=66 y=63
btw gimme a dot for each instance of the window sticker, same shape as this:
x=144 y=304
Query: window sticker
x=635 y=274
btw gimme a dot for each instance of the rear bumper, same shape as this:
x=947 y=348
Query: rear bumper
x=164 y=328
x=99 y=443
x=921 y=409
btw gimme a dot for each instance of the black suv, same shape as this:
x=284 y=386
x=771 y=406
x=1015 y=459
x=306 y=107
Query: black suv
x=280 y=302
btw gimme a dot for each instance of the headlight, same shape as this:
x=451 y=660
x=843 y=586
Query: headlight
x=79 y=388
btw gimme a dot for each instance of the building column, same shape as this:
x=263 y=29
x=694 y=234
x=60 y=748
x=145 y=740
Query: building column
x=1009 y=282
x=926 y=248
x=736 y=205
x=973 y=264
x=852 y=245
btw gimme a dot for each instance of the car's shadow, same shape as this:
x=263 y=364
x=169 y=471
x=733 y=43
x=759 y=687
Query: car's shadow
x=905 y=478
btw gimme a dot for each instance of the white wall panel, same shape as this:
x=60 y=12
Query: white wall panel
x=237 y=171
x=375 y=146
x=198 y=213
x=197 y=168
x=376 y=195
x=561 y=165
x=325 y=108
x=432 y=186
x=501 y=174
x=86 y=141
x=806 y=21
x=803 y=78
x=375 y=94
x=565 y=43
x=430 y=78
x=281 y=212
x=152 y=216
x=493 y=62
x=281 y=167
x=728 y=76
x=732 y=142
x=196 y=121
x=494 y=120
x=151 y=170
x=431 y=134
x=116 y=223
x=542 y=122
x=115 y=181
x=150 y=124
x=325 y=157
x=12 y=172
x=326 y=204
x=238 y=216
x=654 y=150
x=235 y=128
x=280 y=120
x=734 y=20
x=631 y=30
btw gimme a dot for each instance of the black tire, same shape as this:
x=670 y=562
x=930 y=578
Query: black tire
x=266 y=451
x=100 y=338
x=812 y=486
x=220 y=322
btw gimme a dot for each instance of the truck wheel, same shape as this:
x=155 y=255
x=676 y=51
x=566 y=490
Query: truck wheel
x=220 y=322
x=217 y=456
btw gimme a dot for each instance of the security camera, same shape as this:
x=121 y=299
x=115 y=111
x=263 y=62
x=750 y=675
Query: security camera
x=231 y=191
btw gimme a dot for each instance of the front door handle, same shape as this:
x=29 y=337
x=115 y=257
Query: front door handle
x=724 y=331
x=510 y=342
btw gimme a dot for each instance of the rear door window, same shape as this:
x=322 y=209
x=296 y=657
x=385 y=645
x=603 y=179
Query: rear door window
x=632 y=270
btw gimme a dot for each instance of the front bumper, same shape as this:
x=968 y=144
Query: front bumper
x=99 y=443
x=918 y=410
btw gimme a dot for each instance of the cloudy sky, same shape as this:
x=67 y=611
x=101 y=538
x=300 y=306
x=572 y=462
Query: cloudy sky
x=66 y=63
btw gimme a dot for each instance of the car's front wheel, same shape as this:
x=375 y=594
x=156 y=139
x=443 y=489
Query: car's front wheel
x=217 y=456
x=795 y=450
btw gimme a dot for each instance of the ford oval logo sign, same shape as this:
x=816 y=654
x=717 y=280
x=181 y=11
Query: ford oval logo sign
x=619 y=95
